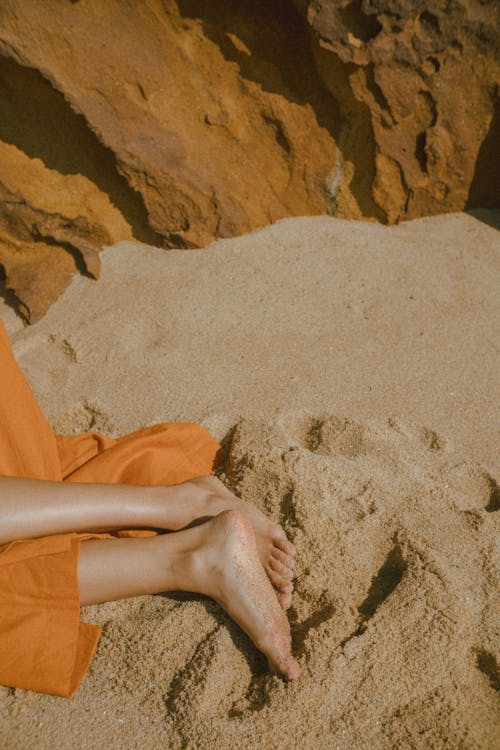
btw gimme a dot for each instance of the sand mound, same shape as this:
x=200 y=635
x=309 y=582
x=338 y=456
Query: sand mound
x=392 y=617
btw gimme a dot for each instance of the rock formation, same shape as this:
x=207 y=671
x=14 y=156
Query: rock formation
x=417 y=85
x=178 y=122
x=51 y=225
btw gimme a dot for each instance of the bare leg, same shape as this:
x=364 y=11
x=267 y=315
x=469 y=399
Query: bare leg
x=218 y=559
x=31 y=508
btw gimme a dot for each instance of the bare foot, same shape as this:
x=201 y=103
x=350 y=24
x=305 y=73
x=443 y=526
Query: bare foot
x=178 y=506
x=225 y=565
x=217 y=558
x=276 y=552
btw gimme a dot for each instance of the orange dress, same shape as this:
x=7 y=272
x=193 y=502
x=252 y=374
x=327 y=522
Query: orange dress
x=43 y=644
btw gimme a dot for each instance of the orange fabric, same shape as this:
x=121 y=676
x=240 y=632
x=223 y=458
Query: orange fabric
x=27 y=445
x=43 y=644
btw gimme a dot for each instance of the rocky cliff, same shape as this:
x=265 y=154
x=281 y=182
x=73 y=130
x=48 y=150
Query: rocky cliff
x=179 y=122
x=417 y=86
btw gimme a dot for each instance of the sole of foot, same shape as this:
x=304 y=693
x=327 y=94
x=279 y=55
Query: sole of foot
x=230 y=571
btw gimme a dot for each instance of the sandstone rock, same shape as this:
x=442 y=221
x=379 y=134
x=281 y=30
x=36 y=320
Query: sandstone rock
x=51 y=225
x=214 y=113
x=417 y=84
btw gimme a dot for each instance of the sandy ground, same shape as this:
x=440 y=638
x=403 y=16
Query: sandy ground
x=351 y=370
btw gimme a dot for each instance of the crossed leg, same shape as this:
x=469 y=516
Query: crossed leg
x=31 y=508
x=218 y=558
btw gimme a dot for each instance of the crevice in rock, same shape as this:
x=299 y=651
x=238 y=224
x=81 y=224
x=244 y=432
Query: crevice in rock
x=75 y=252
x=429 y=22
x=355 y=137
x=406 y=188
x=378 y=94
x=426 y=106
x=484 y=191
x=11 y=299
x=281 y=64
x=420 y=154
x=434 y=63
x=279 y=133
x=37 y=119
x=361 y=24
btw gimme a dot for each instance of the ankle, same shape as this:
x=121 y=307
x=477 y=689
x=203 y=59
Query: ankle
x=175 y=506
x=213 y=495
x=183 y=561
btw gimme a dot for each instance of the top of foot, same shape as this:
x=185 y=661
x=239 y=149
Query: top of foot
x=276 y=552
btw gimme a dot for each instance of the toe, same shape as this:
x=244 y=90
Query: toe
x=287 y=560
x=286 y=665
x=281 y=541
x=292 y=670
x=284 y=571
x=283 y=585
x=285 y=599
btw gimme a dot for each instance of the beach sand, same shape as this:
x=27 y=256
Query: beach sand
x=350 y=369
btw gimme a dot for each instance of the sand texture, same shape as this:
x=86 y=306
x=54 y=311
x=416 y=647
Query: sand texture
x=349 y=369
x=312 y=312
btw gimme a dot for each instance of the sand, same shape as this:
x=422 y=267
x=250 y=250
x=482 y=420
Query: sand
x=350 y=369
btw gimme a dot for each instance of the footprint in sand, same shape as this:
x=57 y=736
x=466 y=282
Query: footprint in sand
x=83 y=417
x=471 y=487
x=345 y=490
x=392 y=613
x=325 y=435
x=213 y=679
